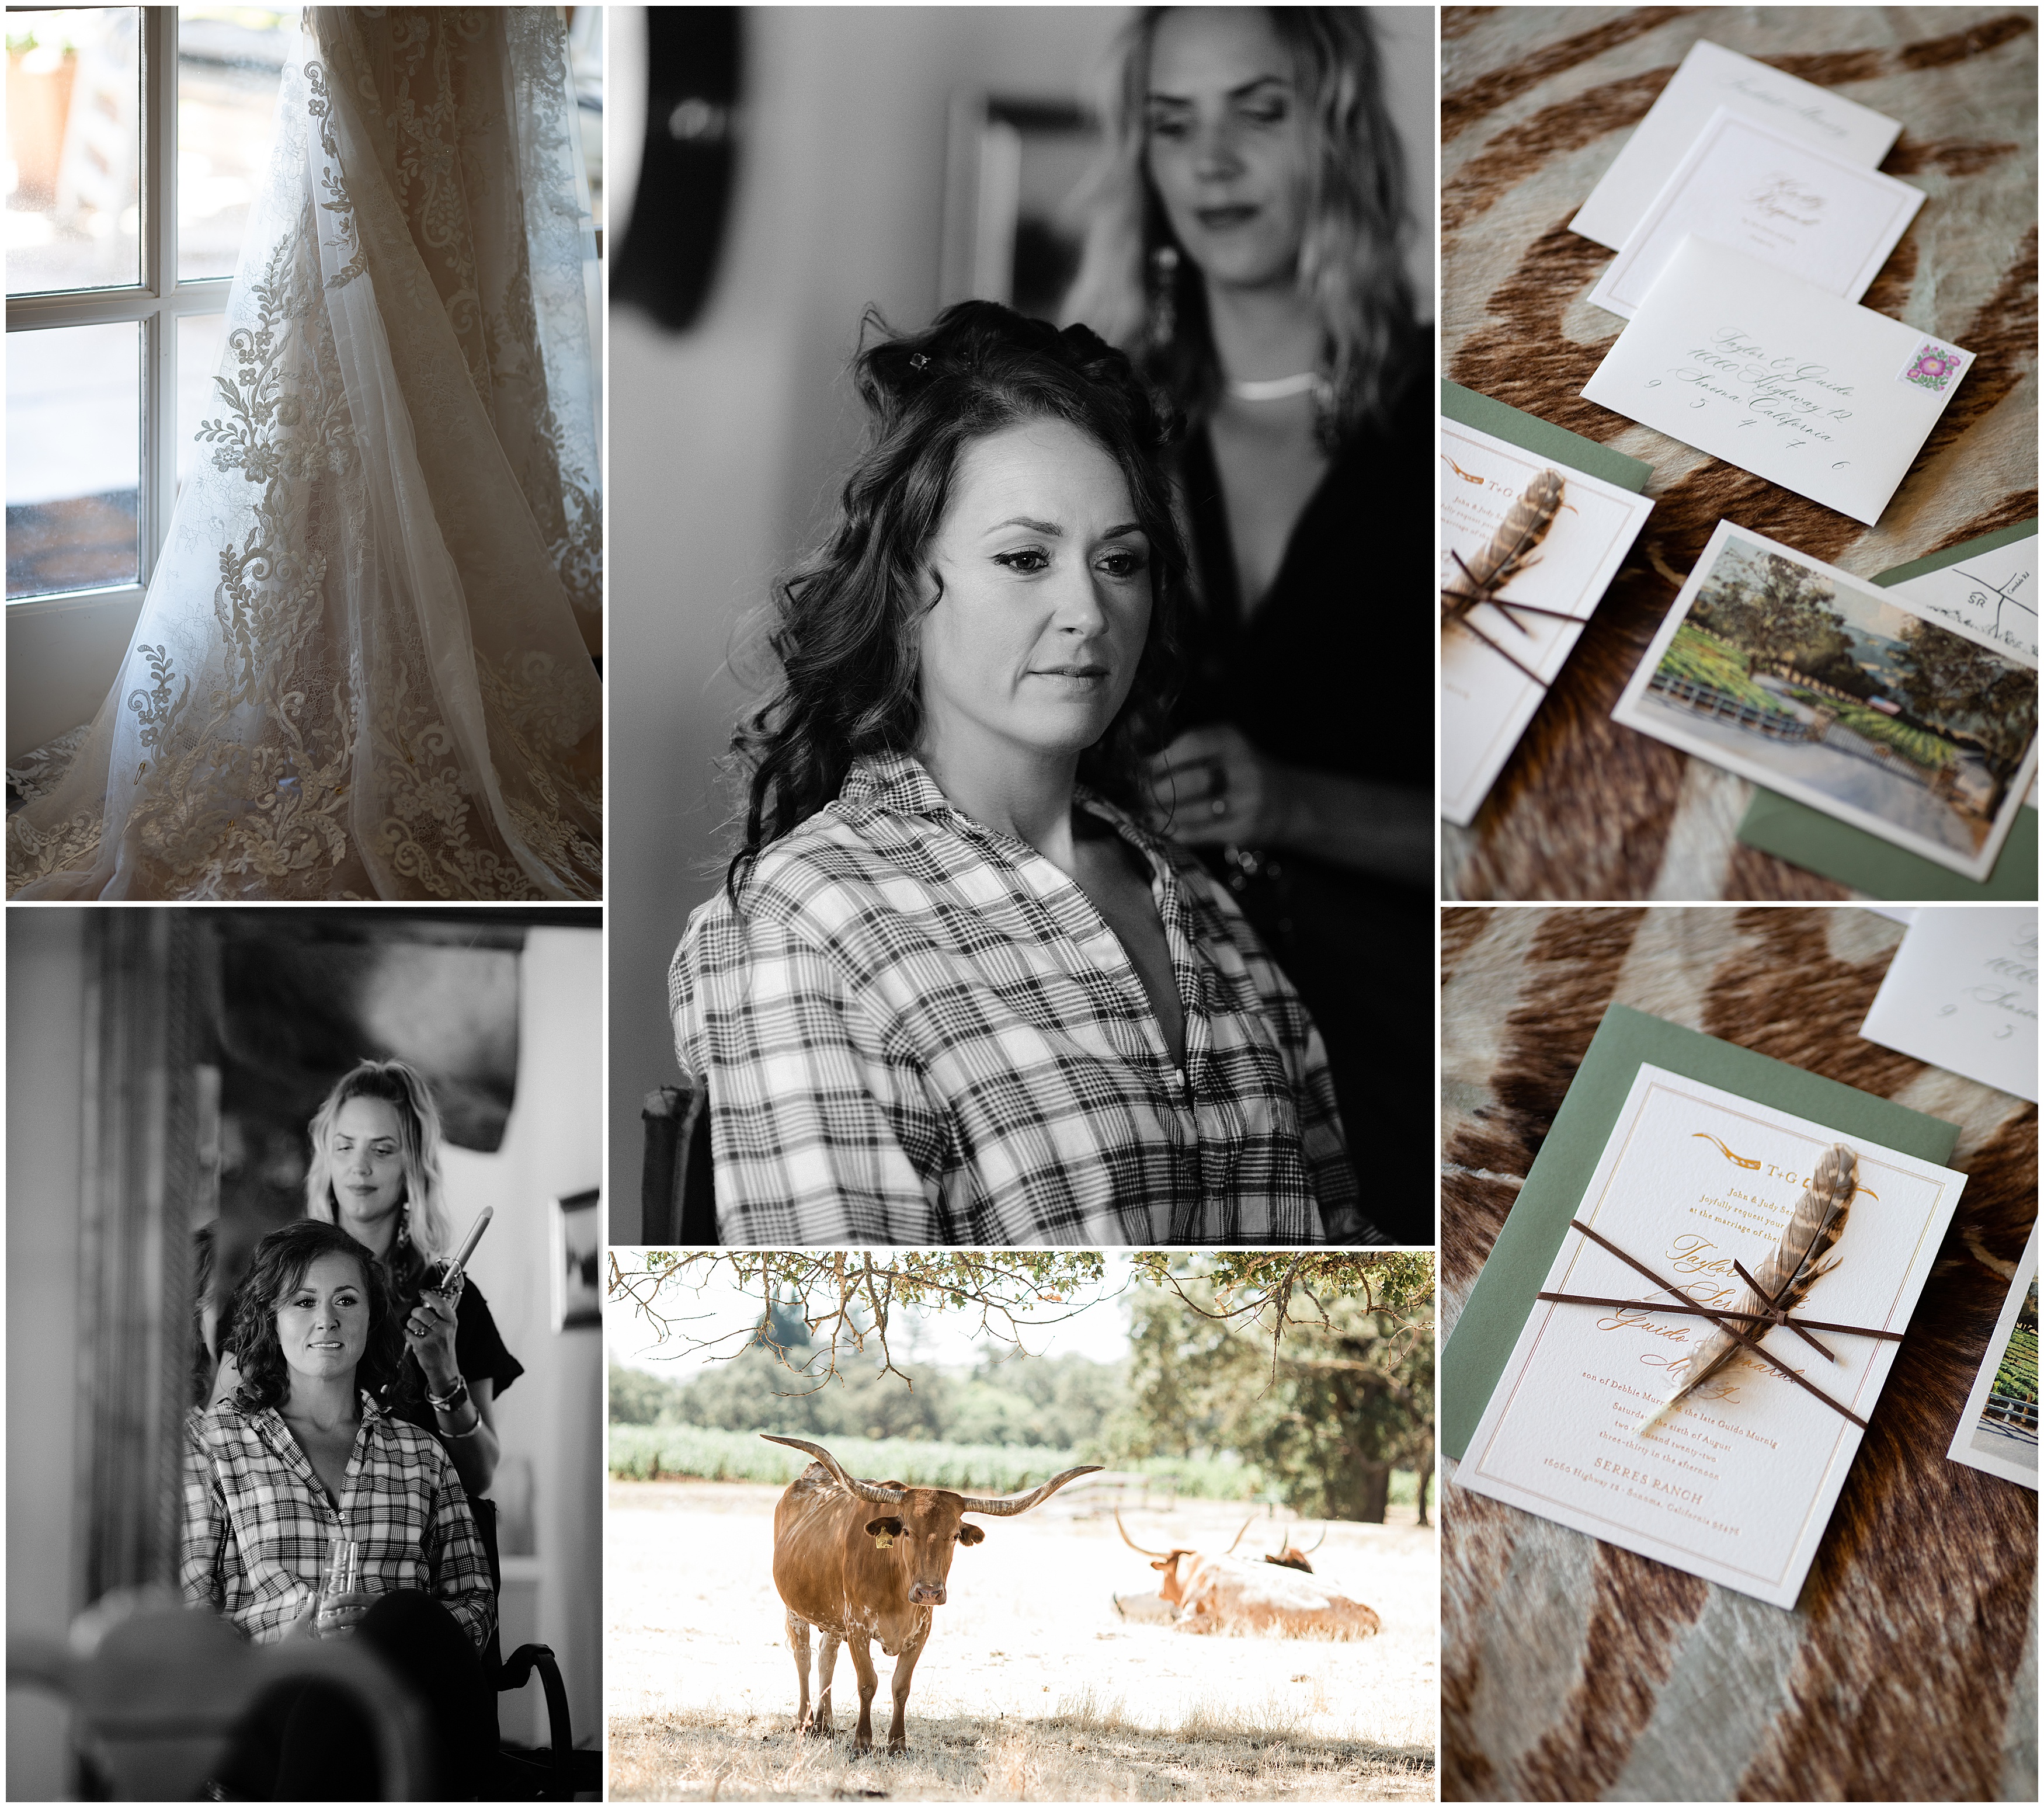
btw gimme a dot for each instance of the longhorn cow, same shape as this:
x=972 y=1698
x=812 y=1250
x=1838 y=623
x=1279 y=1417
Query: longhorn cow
x=1229 y=1593
x=861 y=1560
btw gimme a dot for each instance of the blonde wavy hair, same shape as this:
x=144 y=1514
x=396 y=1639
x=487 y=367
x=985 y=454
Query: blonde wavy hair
x=1351 y=259
x=399 y=1085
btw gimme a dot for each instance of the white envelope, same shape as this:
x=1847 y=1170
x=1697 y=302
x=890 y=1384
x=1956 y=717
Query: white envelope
x=1486 y=701
x=1711 y=77
x=1757 y=368
x=1737 y=1485
x=1962 y=994
x=1753 y=189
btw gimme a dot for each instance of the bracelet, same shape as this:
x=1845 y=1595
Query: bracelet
x=471 y=1431
x=453 y=1398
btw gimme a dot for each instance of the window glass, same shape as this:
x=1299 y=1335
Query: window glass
x=230 y=63
x=74 y=148
x=201 y=338
x=585 y=71
x=74 y=458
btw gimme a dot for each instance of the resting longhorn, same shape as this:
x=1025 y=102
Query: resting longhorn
x=1230 y=1594
x=857 y=1574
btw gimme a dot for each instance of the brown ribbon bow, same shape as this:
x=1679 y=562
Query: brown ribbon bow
x=1769 y=1316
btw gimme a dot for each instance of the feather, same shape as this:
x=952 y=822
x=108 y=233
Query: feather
x=1525 y=525
x=1798 y=1263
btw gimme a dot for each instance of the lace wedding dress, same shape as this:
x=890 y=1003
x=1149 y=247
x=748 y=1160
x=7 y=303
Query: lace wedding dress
x=364 y=667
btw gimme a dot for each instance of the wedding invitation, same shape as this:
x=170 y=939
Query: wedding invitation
x=1537 y=1228
x=1487 y=698
x=1710 y=78
x=1754 y=188
x=1801 y=678
x=1757 y=367
x=1738 y=1485
x=1962 y=994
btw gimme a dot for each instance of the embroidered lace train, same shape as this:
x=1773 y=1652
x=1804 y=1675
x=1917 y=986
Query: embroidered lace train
x=363 y=668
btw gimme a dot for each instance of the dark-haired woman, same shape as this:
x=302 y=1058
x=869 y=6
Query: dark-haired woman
x=954 y=992
x=375 y=1172
x=301 y=1455
x=1246 y=249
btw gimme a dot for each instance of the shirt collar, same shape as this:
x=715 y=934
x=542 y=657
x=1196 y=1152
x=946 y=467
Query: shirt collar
x=897 y=783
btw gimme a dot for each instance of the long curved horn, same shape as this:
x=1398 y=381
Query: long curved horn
x=975 y=1503
x=1129 y=1541
x=865 y=1491
x=1317 y=1543
x=1246 y=1524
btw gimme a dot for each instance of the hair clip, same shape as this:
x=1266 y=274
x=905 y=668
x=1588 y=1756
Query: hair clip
x=920 y=362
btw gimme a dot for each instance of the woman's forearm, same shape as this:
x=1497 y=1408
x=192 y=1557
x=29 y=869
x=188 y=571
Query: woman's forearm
x=1363 y=824
x=474 y=1453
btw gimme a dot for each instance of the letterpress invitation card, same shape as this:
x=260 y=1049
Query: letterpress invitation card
x=1711 y=77
x=1752 y=188
x=1737 y=1484
x=1496 y=663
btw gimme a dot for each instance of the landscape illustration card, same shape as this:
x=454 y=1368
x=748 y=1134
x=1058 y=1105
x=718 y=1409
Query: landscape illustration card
x=1962 y=994
x=1486 y=700
x=1786 y=671
x=1755 y=365
x=1738 y=1484
x=1754 y=188
x=1711 y=77
x=1998 y=1430
x=1990 y=583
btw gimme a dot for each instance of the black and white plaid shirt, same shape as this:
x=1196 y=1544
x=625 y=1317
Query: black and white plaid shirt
x=917 y=1030
x=258 y=1520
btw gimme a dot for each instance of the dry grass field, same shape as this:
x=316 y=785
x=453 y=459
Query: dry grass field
x=1032 y=1688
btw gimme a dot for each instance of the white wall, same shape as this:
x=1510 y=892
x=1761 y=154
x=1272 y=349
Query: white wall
x=727 y=443
x=553 y=1415
x=45 y=1088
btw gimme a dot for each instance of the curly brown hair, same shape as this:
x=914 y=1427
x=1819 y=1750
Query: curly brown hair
x=279 y=1265
x=846 y=621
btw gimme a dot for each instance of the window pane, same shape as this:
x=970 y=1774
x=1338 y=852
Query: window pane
x=230 y=62
x=74 y=458
x=200 y=339
x=74 y=148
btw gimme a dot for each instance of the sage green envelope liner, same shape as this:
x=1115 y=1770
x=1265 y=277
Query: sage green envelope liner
x=1503 y=1294
x=1542 y=438
x=1819 y=843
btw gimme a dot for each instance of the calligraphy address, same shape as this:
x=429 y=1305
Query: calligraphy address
x=1795 y=396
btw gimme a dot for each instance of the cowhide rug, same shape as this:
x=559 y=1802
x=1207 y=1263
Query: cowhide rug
x=1536 y=102
x=1573 y=1670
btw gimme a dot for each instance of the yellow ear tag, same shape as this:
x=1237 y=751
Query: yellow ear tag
x=881 y=1541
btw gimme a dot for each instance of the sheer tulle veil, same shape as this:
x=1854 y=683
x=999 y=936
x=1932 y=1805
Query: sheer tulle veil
x=364 y=667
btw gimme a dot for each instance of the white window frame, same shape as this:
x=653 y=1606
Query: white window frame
x=107 y=612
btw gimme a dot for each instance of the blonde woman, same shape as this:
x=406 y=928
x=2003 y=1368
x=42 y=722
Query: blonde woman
x=375 y=1172
x=1245 y=249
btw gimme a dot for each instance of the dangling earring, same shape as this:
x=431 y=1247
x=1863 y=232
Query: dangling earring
x=1163 y=303
x=404 y=1225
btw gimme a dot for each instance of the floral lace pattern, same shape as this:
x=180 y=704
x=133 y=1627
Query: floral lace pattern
x=359 y=670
